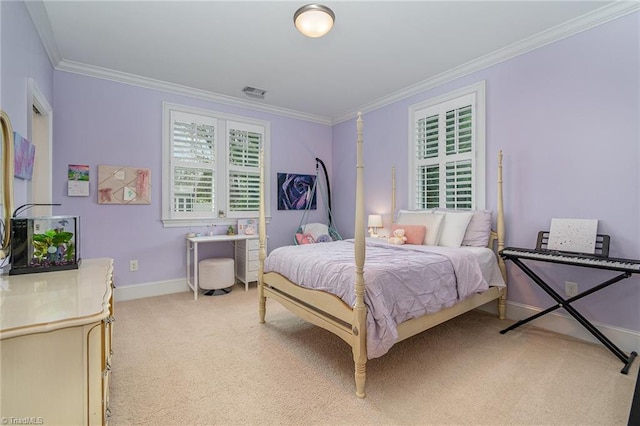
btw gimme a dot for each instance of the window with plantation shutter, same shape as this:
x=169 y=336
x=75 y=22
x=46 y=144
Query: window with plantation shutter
x=244 y=172
x=211 y=166
x=193 y=165
x=447 y=151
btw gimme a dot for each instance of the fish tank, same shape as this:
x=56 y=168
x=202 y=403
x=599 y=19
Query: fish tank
x=44 y=244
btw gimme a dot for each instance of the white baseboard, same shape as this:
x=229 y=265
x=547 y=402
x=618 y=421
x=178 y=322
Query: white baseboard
x=150 y=289
x=626 y=340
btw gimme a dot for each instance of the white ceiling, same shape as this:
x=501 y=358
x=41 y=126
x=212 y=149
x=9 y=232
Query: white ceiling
x=377 y=51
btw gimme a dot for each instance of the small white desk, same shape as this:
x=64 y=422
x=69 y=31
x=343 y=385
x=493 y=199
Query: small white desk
x=192 y=246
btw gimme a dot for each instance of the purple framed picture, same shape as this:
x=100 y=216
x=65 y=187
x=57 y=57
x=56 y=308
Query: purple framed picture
x=296 y=191
x=24 y=153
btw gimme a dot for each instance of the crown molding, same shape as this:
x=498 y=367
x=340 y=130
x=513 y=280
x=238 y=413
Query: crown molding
x=567 y=29
x=41 y=21
x=149 y=83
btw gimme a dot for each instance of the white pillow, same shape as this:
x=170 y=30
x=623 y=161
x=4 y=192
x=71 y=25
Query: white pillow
x=316 y=229
x=431 y=220
x=415 y=211
x=479 y=229
x=454 y=228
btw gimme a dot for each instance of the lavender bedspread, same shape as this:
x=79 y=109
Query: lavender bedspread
x=402 y=282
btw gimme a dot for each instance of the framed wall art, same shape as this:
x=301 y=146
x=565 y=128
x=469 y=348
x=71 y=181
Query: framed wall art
x=124 y=185
x=296 y=192
x=24 y=156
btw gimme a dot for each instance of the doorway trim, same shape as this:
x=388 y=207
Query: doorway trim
x=37 y=100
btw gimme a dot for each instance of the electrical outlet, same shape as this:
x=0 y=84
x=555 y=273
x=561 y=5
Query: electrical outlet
x=570 y=289
x=133 y=265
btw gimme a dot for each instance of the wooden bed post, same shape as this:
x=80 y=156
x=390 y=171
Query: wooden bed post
x=502 y=301
x=393 y=195
x=262 y=234
x=359 y=311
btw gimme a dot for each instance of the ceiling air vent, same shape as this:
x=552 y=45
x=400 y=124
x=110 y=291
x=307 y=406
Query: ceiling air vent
x=253 y=92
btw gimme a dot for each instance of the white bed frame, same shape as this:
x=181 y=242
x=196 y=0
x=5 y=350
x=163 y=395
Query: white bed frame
x=349 y=323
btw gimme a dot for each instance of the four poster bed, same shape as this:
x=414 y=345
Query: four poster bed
x=388 y=302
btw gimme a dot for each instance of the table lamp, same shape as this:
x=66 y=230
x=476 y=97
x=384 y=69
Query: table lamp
x=374 y=222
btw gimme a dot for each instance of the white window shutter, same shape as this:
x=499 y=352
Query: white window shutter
x=428 y=187
x=459 y=185
x=427 y=140
x=193 y=166
x=459 y=130
x=447 y=143
x=244 y=142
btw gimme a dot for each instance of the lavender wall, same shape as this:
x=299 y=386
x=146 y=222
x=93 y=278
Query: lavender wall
x=104 y=122
x=23 y=57
x=567 y=118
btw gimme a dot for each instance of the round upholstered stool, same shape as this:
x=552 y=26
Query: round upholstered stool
x=217 y=275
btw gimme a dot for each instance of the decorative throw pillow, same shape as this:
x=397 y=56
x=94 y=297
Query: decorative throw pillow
x=430 y=220
x=414 y=233
x=479 y=229
x=304 y=238
x=315 y=229
x=454 y=228
x=324 y=238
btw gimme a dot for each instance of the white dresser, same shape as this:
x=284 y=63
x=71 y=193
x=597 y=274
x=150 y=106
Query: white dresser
x=55 y=345
x=248 y=260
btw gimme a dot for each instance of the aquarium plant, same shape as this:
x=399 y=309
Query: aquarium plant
x=53 y=247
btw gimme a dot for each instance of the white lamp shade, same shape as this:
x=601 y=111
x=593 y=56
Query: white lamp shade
x=314 y=20
x=375 y=221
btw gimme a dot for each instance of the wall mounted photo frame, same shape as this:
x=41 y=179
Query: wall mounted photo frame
x=296 y=191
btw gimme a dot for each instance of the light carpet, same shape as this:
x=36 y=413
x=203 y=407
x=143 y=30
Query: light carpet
x=177 y=361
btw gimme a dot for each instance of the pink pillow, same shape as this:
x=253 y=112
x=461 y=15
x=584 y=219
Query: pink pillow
x=414 y=233
x=305 y=238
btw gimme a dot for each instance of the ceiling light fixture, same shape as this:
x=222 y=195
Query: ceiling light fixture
x=314 y=20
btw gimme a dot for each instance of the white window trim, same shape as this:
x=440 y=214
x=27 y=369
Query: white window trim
x=221 y=189
x=479 y=166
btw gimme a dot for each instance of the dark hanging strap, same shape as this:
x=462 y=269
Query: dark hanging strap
x=326 y=177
